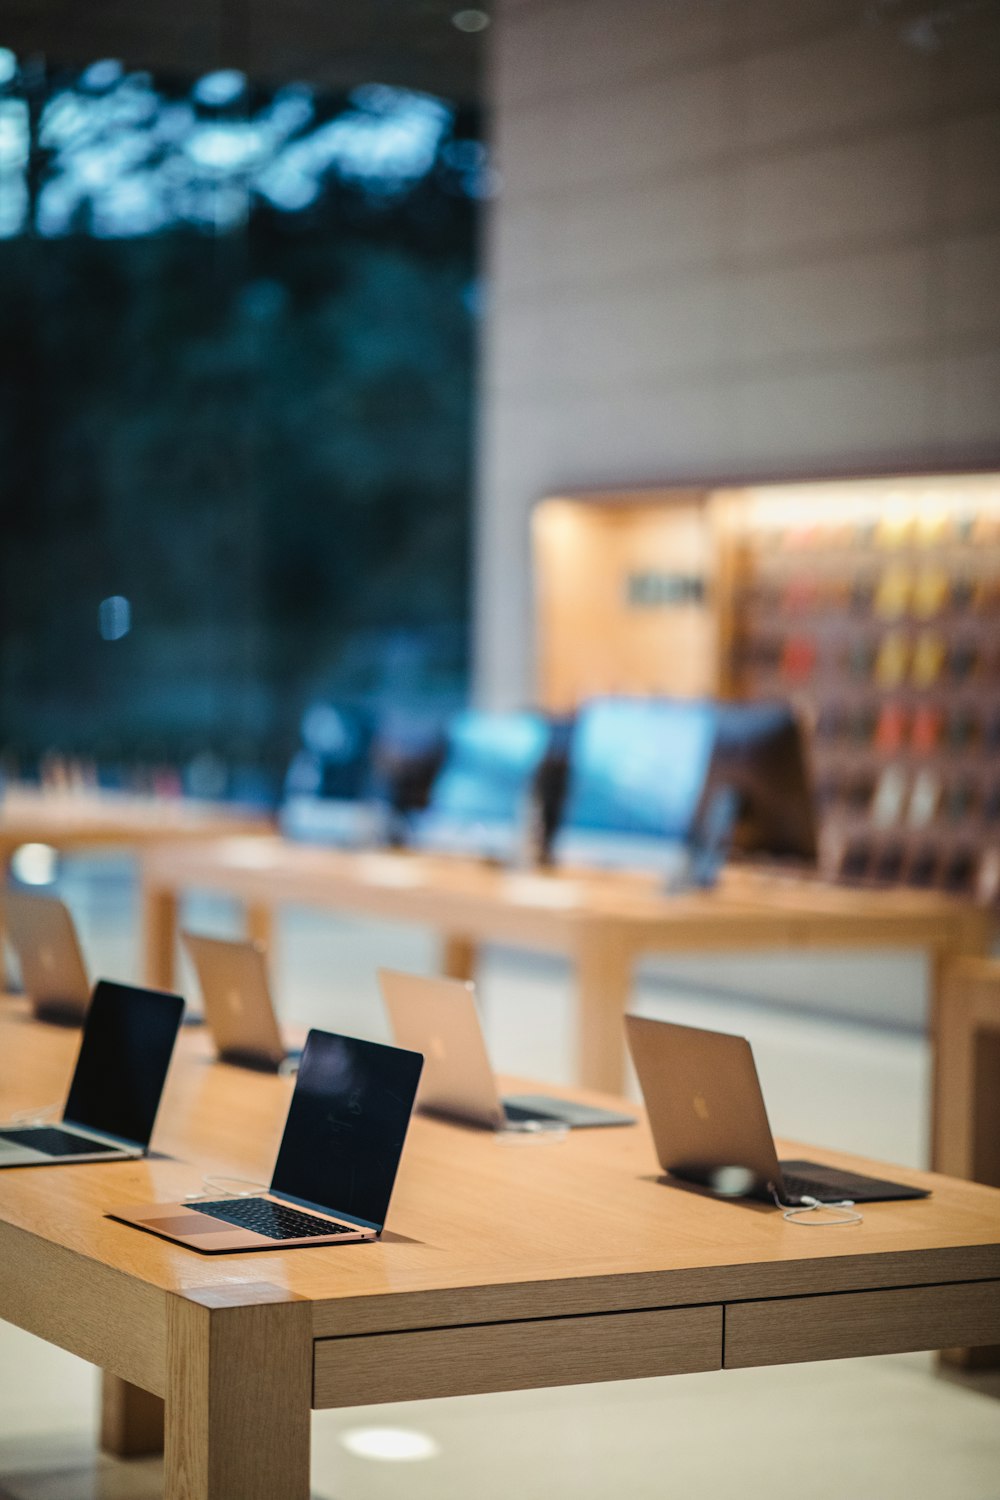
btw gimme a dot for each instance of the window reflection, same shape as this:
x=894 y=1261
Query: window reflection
x=124 y=158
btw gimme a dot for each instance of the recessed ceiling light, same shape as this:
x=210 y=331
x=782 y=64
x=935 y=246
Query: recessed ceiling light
x=34 y=864
x=390 y=1444
x=470 y=20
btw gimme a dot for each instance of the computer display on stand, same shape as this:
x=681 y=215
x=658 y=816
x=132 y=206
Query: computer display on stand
x=483 y=798
x=636 y=771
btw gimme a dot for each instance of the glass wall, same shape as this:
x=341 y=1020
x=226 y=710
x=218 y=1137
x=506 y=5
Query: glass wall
x=236 y=364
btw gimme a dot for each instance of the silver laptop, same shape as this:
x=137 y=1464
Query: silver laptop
x=128 y=1039
x=53 y=974
x=238 y=1005
x=438 y=1017
x=710 y=1126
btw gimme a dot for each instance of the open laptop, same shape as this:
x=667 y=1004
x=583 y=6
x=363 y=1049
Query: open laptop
x=238 y=1005
x=53 y=974
x=336 y=1163
x=128 y=1040
x=710 y=1125
x=438 y=1017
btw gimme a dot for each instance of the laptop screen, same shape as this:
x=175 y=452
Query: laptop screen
x=346 y=1125
x=128 y=1039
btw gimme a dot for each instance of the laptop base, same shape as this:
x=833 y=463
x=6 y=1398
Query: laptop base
x=59 y=1012
x=184 y=1225
x=522 y=1107
x=257 y=1062
x=831 y=1185
x=51 y=1145
x=260 y=1062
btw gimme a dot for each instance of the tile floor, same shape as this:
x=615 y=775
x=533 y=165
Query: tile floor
x=880 y=1427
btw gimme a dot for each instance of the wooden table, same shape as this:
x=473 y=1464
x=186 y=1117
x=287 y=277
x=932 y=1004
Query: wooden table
x=71 y=821
x=86 y=820
x=967 y=1089
x=604 y=924
x=554 y=1264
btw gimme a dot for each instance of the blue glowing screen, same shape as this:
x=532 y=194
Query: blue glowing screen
x=637 y=766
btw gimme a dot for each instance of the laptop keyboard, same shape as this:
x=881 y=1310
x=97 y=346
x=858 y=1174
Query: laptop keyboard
x=832 y=1184
x=803 y=1187
x=272 y=1220
x=52 y=1141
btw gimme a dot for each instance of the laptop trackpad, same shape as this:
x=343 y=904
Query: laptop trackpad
x=185 y=1224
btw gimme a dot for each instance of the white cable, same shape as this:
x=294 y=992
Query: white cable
x=43 y=1115
x=223 y=1187
x=795 y=1213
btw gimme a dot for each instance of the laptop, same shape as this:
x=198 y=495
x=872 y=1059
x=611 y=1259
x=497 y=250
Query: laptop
x=710 y=1125
x=439 y=1018
x=238 y=1005
x=128 y=1040
x=336 y=1163
x=53 y=974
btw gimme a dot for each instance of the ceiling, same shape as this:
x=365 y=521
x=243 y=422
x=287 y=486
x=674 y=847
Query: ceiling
x=333 y=44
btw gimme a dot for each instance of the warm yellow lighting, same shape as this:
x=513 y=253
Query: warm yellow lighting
x=922 y=506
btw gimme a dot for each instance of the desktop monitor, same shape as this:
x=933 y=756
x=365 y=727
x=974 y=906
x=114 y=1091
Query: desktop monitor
x=482 y=800
x=636 y=771
x=759 y=763
x=407 y=753
x=327 y=782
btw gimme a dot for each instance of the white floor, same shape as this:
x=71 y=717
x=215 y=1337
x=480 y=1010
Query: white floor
x=881 y=1427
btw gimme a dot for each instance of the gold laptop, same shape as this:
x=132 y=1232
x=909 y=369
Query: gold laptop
x=438 y=1017
x=53 y=973
x=336 y=1164
x=710 y=1125
x=237 y=999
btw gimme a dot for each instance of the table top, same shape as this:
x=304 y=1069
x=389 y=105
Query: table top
x=548 y=907
x=519 y=1227
x=28 y=815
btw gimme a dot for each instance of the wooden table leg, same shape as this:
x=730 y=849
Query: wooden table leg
x=604 y=983
x=966 y=1095
x=6 y=850
x=260 y=927
x=131 y=1419
x=239 y=1389
x=458 y=958
x=159 y=936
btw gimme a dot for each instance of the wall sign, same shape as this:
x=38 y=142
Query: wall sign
x=654 y=590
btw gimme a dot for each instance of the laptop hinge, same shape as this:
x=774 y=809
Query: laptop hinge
x=102 y=1135
x=324 y=1208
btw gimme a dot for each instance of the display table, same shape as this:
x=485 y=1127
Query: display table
x=558 y=1263
x=604 y=924
x=86 y=820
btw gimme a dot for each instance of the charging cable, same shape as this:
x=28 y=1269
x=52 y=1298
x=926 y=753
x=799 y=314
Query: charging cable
x=225 y=1187
x=800 y=1213
x=532 y=1132
x=44 y=1115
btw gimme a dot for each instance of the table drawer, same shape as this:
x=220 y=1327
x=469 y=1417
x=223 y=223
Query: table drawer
x=516 y=1356
x=791 y=1329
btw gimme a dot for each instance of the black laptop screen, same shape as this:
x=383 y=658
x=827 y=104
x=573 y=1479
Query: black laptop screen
x=127 y=1042
x=346 y=1125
